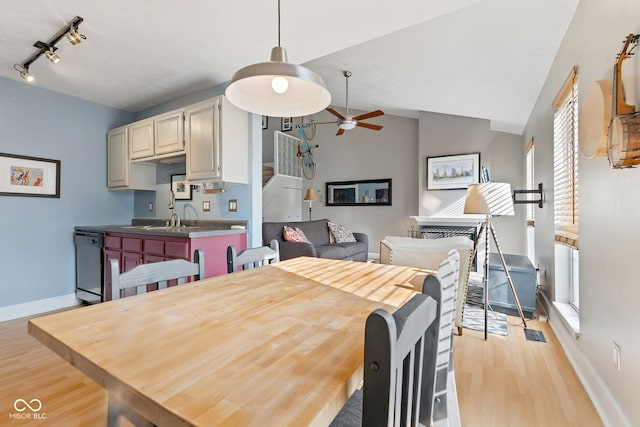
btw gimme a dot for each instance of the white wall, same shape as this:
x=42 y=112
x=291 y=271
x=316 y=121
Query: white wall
x=501 y=153
x=609 y=206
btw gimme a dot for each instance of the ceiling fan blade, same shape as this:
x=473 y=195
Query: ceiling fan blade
x=340 y=132
x=369 y=126
x=369 y=115
x=335 y=113
x=326 y=123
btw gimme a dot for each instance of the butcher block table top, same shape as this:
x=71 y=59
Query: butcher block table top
x=280 y=345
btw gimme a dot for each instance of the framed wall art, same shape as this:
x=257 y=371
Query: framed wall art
x=29 y=176
x=368 y=192
x=453 y=172
x=181 y=187
x=287 y=124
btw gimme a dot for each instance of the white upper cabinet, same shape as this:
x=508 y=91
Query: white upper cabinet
x=117 y=158
x=141 y=139
x=121 y=173
x=159 y=136
x=212 y=137
x=169 y=133
x=217 y=142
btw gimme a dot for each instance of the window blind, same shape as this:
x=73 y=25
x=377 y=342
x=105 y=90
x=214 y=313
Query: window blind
x=565 y=162
x=530 y=213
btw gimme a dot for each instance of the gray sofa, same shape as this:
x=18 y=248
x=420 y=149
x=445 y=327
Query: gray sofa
x=318 y=234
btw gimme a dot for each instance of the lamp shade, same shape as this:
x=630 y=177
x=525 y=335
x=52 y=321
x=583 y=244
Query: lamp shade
x=489 y=198
x=311 y=195
x=278 y=88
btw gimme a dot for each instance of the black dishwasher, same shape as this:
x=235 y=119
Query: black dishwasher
x=89 y=265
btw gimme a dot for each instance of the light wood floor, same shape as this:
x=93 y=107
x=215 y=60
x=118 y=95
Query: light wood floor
x=505 y=381
x=509 y=381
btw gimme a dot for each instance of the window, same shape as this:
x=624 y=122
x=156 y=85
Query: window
x=565 y=180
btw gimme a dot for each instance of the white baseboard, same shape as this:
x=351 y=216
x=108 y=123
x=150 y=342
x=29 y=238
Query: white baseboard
x=605 y=404
x=31 y=308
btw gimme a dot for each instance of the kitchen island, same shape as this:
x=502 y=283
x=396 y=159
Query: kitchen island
x=146 y=241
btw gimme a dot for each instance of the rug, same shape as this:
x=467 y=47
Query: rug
x=474 y=314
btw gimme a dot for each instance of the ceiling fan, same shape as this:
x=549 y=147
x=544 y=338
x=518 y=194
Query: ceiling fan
x=348 y=121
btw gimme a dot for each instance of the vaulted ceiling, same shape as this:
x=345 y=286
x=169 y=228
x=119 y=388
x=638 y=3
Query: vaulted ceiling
x=477 y=58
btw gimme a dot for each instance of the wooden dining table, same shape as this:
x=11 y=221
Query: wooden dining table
x=279 y=345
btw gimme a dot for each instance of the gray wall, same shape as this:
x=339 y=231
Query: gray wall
x=365 y=154
x=501 y=153
x=399 y=151
x=36 y=234
x=609 y=204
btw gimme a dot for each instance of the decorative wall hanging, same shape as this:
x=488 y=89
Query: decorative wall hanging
x=624 y=131
x=181 y=187
x=29 y=176
x=453 y=172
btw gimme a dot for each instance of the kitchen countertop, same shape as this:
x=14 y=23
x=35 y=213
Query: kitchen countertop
x=190 y=229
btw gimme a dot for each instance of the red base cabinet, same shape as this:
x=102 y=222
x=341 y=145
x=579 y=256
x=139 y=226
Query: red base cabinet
x=133 y=249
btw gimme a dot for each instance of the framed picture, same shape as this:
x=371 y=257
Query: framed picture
x=366 y=192
x=29 y=176
x=181 y=187
x=265 y=122
x=453 y=172
x=286 y=124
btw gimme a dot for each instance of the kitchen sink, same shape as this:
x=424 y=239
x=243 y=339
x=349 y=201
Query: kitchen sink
x=159 y=227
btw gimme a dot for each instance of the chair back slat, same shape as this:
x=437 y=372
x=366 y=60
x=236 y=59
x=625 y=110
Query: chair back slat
x=155 y=273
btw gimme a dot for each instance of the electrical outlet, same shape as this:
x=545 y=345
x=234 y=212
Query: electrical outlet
x=206 y=206
x=616 y=356
x=150 y=206
x=233 y=205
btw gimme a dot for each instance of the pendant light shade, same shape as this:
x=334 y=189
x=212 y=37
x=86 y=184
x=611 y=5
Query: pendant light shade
x=278 y=88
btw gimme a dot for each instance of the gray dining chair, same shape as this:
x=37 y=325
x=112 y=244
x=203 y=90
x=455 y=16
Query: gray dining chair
x=399 y=367
x=252 y=257
x=139 y=277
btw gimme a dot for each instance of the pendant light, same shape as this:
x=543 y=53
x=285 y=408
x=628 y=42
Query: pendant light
x=278 y=88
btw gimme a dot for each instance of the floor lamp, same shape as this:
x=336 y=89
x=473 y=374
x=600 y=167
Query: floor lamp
x=491 y=199
x=310 y=197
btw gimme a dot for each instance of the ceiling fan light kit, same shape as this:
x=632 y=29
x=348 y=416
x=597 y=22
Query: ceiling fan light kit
x=278 y=88
x=348 y=121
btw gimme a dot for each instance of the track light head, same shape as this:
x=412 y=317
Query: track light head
x=51 y=56
x=25 y=75
x=74 y=36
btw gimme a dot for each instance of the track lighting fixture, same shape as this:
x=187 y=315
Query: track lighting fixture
x=49 y=48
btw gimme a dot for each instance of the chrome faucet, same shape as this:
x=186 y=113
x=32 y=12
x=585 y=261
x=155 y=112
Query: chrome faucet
x=175 y=219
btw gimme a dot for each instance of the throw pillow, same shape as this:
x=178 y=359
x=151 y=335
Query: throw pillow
x=302 y=235
x=291 y=235
x=332 y=240
x=341 y=233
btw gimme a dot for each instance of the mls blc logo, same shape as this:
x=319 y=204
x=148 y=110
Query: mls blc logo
x=27 y=410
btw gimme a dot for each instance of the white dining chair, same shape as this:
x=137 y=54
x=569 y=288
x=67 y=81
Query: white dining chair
x=252 y=257
x=139 y=277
